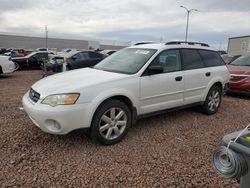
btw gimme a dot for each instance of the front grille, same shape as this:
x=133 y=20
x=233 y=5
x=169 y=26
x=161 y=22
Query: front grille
x=34 y=96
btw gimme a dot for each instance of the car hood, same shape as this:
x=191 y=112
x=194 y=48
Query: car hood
x=241 y=70
x=74 y=81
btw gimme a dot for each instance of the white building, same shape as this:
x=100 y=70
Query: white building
x=239 y=45
x=33 y=42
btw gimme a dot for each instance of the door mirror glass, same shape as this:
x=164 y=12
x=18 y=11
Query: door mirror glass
x=155 y=69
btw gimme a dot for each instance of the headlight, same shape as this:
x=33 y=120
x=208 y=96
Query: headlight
x=61 y=99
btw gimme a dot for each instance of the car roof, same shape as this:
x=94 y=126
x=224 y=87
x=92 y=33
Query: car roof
x=161 y=46
x=78 y=51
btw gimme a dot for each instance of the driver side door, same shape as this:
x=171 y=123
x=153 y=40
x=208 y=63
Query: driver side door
x=162 y=90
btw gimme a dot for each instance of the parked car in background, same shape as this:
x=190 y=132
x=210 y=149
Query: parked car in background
x=66 y=51
x=3 y=50
x=55 y=63
x=108 y=52
x=81 y=59
x=134 y=82
x=229 y=58
x=16 y=53
x=42 y=49
x=221 y=52
x=6 y=65
x=33 y=60
x=239 y=76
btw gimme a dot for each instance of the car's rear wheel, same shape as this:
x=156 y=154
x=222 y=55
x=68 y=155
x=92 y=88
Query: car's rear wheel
x=111 y=122
x=213 y=101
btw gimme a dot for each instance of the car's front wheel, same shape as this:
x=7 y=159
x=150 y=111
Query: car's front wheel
x=111 y=122
x=213 y=101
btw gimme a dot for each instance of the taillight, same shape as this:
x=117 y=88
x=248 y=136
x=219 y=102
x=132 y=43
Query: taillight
x=236 y=78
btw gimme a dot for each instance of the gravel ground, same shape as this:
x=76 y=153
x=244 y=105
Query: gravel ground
x=171 y=150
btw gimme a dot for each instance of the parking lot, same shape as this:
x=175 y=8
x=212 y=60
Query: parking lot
x=171 y=150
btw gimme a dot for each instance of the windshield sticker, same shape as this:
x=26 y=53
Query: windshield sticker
x=144 y=52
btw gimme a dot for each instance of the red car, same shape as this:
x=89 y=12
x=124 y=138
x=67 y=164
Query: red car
x=239 y=76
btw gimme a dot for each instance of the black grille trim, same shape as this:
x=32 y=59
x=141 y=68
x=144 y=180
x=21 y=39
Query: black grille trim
x=34 y=96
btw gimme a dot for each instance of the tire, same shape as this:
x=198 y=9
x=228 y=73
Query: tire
x=213 y=101
x=68 y=67
x=17 y=67
x=111 y=122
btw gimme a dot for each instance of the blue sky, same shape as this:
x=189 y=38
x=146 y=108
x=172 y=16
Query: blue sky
x=128 y=20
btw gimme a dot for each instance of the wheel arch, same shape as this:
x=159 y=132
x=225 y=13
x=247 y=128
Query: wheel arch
x=121 y=98
x=215 y=82
x=218 y=84
x=1 y=70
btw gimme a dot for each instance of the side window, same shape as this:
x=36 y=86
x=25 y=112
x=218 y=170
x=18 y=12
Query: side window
x=83 y=55
x=191 y=59
x=211 y=58
x=37 y=56
x=77 y=56
x=44 y=56
x=170 y=60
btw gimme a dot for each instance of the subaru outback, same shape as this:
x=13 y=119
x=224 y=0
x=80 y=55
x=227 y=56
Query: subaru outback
x=132 y=83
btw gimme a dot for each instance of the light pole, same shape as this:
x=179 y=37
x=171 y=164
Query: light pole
x=188 y=12
x=46 y=36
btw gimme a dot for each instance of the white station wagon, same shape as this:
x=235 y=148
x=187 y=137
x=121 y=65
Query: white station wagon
x=134 y=82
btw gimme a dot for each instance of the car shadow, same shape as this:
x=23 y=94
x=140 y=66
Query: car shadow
x=6 y=76
x=239 y=96
x=79 y=138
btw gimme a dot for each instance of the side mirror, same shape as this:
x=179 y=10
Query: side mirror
x=154 y=69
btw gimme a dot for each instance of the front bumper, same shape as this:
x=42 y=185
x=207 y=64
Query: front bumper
x=61 y=119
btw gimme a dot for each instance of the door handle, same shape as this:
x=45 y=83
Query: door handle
x=208 y=74
x=178 y=78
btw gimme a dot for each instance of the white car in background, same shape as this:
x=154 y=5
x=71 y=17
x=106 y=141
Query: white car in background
x=134 y=82
x=6 y=65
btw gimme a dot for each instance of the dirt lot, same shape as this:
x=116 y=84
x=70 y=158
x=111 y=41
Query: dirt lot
x=172 y=150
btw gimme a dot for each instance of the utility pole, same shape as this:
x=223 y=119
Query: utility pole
x=188 y=12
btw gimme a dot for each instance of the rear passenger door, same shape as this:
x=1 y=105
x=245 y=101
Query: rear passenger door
x=196 y=76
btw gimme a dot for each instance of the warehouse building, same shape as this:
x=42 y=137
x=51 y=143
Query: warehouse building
x=33 y=42
x=239 y=45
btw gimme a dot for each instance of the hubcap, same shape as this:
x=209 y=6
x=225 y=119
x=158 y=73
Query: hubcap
x=214 y=100
x=113 y=123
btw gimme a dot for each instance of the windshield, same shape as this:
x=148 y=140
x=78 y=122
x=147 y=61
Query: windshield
x=242 y=61
x=128 y=60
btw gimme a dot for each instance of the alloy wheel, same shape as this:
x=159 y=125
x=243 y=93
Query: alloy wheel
x=214 y=100
x=113 y=123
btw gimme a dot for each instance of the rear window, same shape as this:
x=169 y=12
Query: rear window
x=211 y=58
x=95 y=55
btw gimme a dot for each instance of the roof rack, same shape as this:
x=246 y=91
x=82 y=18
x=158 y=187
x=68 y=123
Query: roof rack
x=189 y=43
x=141 y=43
